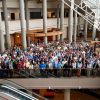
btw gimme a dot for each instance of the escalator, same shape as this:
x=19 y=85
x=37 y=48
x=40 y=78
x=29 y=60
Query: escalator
x=15 y=91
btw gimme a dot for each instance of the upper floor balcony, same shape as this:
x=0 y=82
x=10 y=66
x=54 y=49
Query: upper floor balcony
x=34 y=24
x=54 y=79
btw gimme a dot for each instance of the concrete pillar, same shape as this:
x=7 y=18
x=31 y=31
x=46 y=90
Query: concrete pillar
x=86 y=27
x=28 y=41
x=45 y=20
x=2 y=48
x=75 y=26
x=67 y=94
x=58 y=21
x=58 y=37
x=78 y=31
x=27 y=21
x=95 y=23
x=54 y=38
x=23 y=23
x=94 y=33
x=70 y=33
x=27 y=15
x=62 y=18
x=8 y=40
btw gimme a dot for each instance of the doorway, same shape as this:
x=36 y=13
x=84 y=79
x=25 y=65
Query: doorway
x=12 y=16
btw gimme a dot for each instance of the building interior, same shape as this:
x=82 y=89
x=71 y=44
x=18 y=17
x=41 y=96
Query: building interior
x=41 y=24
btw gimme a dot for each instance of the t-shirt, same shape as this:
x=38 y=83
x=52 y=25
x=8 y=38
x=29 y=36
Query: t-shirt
x=79 y=64
x=42 y=66
x=74 y=65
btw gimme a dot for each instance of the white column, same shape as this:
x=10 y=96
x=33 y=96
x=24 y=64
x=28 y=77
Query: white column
x=58 y=37
x=78 y=25
x=75 y=26
x=23 y=23
x=28 y=41
x=58 y=21
x=54 y=37
x=27 y=15
x=94 y=28
x=2 y=48
x=67 y=94
x=8 y=40
x=62 y=18
x=71 y=21
x=45 y=20
x=27 y=21
x=85 y=35
x=94 y=33
x=86 y=27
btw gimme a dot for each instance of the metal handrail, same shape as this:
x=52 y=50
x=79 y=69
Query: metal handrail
x=88 y=14
x=18 y=85
x=82 y=9
x=89 y=3
x=47 y=72
x=84 y=17
x=8 y=87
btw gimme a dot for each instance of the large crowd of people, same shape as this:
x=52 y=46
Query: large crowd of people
x=51 y=57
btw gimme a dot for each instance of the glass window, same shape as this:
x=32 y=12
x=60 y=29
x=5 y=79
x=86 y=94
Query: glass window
x=35 y=15
x=2 y=15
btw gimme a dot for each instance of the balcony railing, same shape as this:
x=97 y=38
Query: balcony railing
x=46 y=73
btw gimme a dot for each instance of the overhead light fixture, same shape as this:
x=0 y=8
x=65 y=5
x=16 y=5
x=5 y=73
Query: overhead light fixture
x=18 y=36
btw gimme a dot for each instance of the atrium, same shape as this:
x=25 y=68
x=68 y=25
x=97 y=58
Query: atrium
x=51 y=48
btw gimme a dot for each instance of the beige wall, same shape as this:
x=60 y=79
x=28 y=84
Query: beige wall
x=31 y=4
x=14 y=26
x=11 y=3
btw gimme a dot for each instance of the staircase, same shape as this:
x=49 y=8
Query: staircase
x=87 y=9
x=94 y=5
